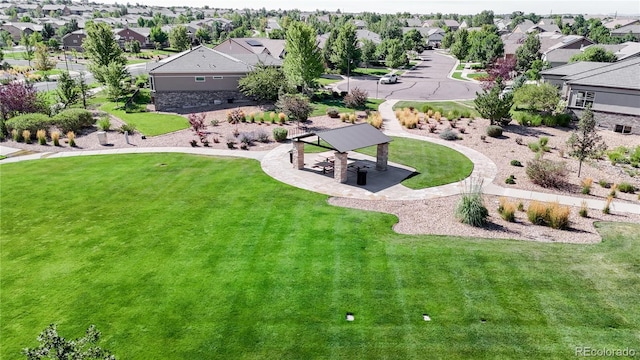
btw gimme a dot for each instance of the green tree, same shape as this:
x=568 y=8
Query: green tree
x=484 y=18
x=67 y=91
x=460 y=47
x=203 y=35
x=114 y=75
x=543 y=97
x=594 y=53
x=29 y=43
x=528 y=53
x=157 y=36
x=396 y=55
x=54 y=346
x=448 y=40
x=53 y=44
x=179 y=39
x=277 y=34
x=494 y=107
x=42 y=60
x=263 y=83
x=48 y=31
x=303 y=63
x=327 y=50
x=368 y=49
x=101 y=48
x=413 y=41
x=585 y=142
x=485 y=47
x=345 y=49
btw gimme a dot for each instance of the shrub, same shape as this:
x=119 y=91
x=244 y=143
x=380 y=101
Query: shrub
x=72 y=138
x=235 y=116
x=215 y=122
x=333 y=113
x=104 y=124
x=127 y=128
x=507 y=210
x=42 y=137
x=520 y=206
x=261 y=136
x=438 y=116
x=279 y=134
x=73 y=120
x=546 y=173
x=511 y=180
x=449 y=134
x=537 y=213
x=626 y=188
x=604 y=183
x=31 y=122
x=343 y=117
x=426 y=108
x=613 y=193
x=296 y=107
x=246 y=138
x=558 y=216
x=356 y=99
x=586 y=186
x=470 y=209
x=519 y=140
x=26 y=135
x=516 y=163
x=375 y=119
x=494 y=131
x=583 y=212
x=15 y=135
x=352 y=118
x=483 y=137
x=462 y=130
x=231 y=144
x=251 y=117
x=55 y=137
x=282 y=118
x=607 y=205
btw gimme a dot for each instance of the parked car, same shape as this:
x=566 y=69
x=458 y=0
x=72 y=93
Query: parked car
x=389 y=79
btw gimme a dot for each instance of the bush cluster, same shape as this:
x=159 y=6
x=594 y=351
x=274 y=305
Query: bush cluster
x=235 y=116
x=547 y=173
x=279 y=134
x=408 y=117
x=73 y=120
x=356 y=99
x=549 y=214
x=527 y=118
x=375 y=120
x=32 y=122
x=494 y=131
x=470 y=209
x=449 y=135
x=507 y=209
x=333 y=113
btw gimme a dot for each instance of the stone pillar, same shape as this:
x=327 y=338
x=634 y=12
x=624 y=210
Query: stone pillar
x=340 y=167
x=298 y=155
x=382 y=157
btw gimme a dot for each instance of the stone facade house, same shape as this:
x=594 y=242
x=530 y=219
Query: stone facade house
x=201 y=77
x=611 y=89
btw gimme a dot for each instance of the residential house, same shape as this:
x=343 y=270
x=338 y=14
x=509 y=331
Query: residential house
x=360 y=24
x=236 y=46
x=412 y=22
x=544 y=28
x=612 y=90
x=201 y=77
x=633 y=29
x=548 y=41
x=367 y=35
x=134 y=34
x=453 y=25
x=18 y=29
x=80 y=10
x=556 y=75
x=74 y=40
x=523 y=26
x=60 y=9
x=25 y=8
x=617 y=23
x=432 y=36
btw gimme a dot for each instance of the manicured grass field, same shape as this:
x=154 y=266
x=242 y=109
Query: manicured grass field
x=327 y=81
x=370 y=71
x=320 y=107
x=435 y=164
x=188 y=257
x=476 y=76
x=446 y=106
x=147 y=123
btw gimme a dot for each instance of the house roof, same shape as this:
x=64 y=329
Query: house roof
x=368 y=35
x=560 y=55
x=274 y=47
x=622 y=51
x=573 y=68
x=621 y=75
x=544 y=28
x=204 y=60
x=353 y=137
x=624 y=30
x=619 y=22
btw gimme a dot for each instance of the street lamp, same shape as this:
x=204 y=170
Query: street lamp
x=348 y=74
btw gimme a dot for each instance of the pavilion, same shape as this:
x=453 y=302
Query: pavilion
x=343 y=140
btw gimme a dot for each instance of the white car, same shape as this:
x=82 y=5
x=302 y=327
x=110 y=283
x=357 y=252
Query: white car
x=389 y=79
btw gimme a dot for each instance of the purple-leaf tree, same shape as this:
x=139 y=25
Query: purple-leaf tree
x=198 y=126
x=501 y=68
x=18 y=98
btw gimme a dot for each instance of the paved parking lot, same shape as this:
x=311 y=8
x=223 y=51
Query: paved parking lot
x=428 y=81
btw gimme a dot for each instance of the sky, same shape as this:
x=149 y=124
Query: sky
x=540 y=7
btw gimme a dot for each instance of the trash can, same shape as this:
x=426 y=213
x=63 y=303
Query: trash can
x=362 y=177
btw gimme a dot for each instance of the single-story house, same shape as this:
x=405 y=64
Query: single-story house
x=611 y=89
x=201 y=77
x=633 y=29
x=18 y=29
x=234 y=46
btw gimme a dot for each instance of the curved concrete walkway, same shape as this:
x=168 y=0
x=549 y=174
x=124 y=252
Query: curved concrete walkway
x=276 y=164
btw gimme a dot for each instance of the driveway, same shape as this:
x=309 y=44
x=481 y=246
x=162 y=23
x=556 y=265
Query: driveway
x=429 y=81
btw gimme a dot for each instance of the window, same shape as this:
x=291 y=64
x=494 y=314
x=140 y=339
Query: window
x=75 y=41
x=624 y=129
x=584 y=98
x=199 y=78
x=217 y=77
x=152 y=84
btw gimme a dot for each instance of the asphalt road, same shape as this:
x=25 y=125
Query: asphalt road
x=428 y=81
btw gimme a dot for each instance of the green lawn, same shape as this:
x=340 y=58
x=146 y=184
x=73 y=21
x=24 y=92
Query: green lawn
x=458 y=75
x=14 y=55
x=147 y=123
x=445 y=106
x=477 y=75
x=435 y=164
x=320 y=107
x=49 y=72
x=326 y=81
x=370 y=71
x=173 y=257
